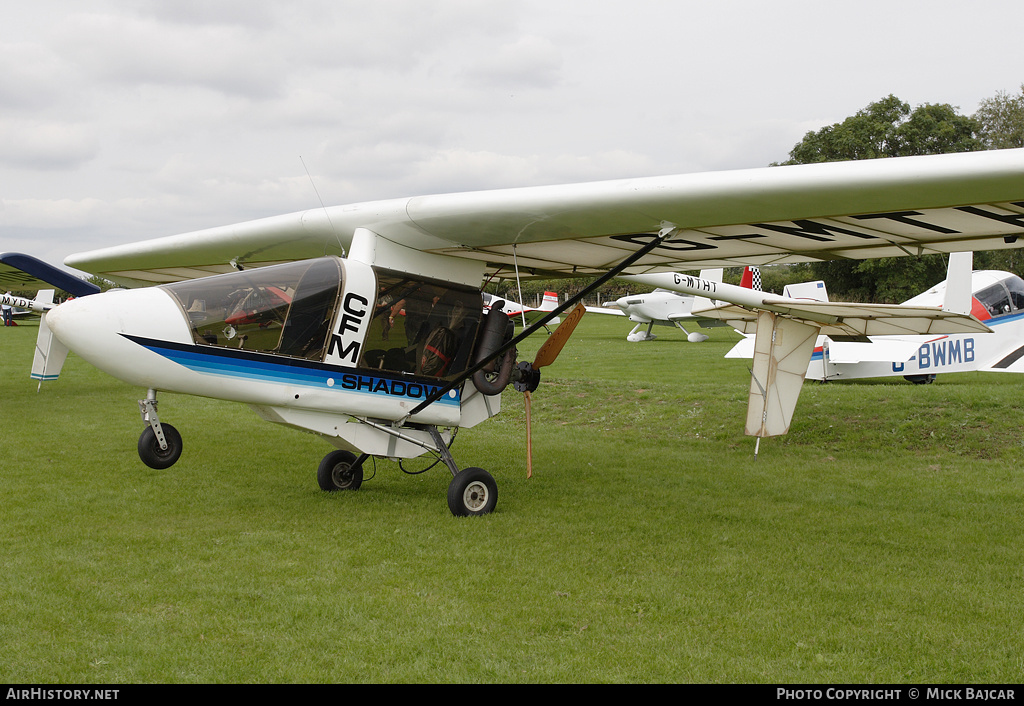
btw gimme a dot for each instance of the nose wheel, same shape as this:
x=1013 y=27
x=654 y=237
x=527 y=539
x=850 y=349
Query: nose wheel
x=156 y=456
x=160 y=444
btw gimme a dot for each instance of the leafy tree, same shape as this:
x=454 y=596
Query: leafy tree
x=889 y=128
x=1001 y=120
x=937 y=129
x=869 y=134
x=886 y=128
x=1001 y=126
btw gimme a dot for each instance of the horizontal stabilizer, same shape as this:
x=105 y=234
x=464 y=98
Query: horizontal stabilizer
x=744 y=348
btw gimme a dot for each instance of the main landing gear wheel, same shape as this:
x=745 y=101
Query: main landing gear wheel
x=472 y=492
x=339 y=471
x=151 y=453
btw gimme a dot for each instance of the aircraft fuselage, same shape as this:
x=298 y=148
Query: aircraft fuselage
x=329 y=337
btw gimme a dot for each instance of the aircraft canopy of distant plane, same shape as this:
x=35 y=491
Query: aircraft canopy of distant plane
x=314 y=363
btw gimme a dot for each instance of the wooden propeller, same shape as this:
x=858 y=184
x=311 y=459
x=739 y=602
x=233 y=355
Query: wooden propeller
x=545 y=356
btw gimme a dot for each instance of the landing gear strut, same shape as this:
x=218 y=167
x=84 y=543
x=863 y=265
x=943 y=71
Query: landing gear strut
x=160 y=445
x=472 y=491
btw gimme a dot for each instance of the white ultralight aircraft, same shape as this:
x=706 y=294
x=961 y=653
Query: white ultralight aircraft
x=663 y=307
x=993 y=297
x=17 y=304
x=26 y=273
x=298 y=336
x=523 y=315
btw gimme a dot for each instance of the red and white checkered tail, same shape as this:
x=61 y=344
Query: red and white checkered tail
x=751 y=278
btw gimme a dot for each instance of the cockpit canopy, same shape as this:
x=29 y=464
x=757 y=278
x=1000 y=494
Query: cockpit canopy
x=996 y=293
x=417 y=326
x=284 y=309
x=1003 y=297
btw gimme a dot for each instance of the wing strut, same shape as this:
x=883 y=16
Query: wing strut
x=662 y=236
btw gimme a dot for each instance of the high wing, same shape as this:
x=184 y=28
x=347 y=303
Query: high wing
x=856 y=210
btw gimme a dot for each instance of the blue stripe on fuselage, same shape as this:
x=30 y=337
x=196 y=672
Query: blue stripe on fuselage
x=247 y=365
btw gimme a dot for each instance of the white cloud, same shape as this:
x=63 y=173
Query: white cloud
x=45 y=145
x=526 y=62
x=128 y=119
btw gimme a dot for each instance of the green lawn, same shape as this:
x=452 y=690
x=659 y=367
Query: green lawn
x=880 y=541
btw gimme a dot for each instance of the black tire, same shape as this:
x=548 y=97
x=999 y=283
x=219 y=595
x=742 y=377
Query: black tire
x=472 y=492
x=338 y=471
x=151 y=453
x=920 y=379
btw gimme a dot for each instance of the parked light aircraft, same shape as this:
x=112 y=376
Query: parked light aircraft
x=20 y=306
x=996 y=298
x=786 y=329
x=324 y=366
x=520 y=314
x=49 y=358
x=663 y=307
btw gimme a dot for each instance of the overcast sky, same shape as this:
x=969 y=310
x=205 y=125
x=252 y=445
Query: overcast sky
x=121 y=121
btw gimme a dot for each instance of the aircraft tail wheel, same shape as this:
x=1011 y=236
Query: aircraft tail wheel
x=151 y=453
x=339 y=471
x=472 y=492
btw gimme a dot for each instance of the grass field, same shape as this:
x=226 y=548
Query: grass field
x=880 y=541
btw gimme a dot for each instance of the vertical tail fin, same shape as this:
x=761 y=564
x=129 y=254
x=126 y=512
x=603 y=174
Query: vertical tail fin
x=550 y=301
x=714 y=275
x=50 y=354
x=782 y=350
x=958 y=283
x=43 y=299
x=751 y=278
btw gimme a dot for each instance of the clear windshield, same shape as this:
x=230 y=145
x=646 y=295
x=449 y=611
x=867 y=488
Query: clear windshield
x=283 y=309
x=995 y=299
x=1016 y=286
x=421 y=327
